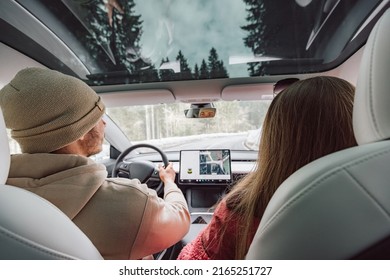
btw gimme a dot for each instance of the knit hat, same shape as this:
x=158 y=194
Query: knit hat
x=47 y=110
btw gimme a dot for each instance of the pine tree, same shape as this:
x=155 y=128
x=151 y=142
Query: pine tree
x=196 y=74
x=268 y=35
x=222 y=72
x=116 y=47
x=215 y=66
x=213 y=61
x=185 y=70
x=255 y=29
x=204 y=70
x=127 y=34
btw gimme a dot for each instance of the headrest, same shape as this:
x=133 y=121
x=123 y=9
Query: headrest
x=371 y=114
x=4 y=151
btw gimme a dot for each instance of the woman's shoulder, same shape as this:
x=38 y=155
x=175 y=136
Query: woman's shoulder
x=221 y=209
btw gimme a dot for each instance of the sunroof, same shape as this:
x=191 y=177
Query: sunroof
x=155 y=40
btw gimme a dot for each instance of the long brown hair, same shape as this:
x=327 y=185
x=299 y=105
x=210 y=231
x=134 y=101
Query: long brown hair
x=308 y=120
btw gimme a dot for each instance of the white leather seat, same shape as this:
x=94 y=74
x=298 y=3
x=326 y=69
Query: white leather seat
x=33 y=228
x=338 y=207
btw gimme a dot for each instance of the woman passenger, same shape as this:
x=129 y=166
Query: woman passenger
x=308 y=120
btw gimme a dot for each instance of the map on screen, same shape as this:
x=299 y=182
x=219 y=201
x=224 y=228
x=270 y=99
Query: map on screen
x=205 y=166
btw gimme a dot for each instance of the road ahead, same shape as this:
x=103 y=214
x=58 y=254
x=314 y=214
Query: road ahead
x=232 y=142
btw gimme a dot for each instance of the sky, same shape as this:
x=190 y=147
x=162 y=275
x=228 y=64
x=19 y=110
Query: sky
x=194 y=27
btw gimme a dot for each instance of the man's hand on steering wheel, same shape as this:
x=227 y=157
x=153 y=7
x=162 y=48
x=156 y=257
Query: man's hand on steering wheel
x=167 y=174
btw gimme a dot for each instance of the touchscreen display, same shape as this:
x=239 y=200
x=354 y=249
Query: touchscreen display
x=205 y=166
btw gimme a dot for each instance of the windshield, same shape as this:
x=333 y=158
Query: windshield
x=236 y=125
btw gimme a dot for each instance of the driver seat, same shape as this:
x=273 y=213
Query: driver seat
x=31 y=228
x=338 y=207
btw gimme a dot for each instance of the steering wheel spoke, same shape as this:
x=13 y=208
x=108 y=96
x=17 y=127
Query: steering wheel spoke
x=155 y=177
x=123 y=170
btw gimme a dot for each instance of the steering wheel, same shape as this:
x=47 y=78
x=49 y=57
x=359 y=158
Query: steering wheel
x=144 y=170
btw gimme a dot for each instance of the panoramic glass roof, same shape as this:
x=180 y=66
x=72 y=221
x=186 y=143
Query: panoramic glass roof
x=165 y=40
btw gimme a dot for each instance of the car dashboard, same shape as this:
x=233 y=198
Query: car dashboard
x=201 y=194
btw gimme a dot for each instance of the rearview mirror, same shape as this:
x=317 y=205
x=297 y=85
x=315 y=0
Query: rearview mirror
x=200 y=111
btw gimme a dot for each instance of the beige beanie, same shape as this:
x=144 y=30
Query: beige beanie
x=47 y=110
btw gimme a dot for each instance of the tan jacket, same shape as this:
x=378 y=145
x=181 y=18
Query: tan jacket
x=123 y=218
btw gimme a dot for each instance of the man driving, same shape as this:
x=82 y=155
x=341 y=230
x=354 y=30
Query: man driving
x=57 y=121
